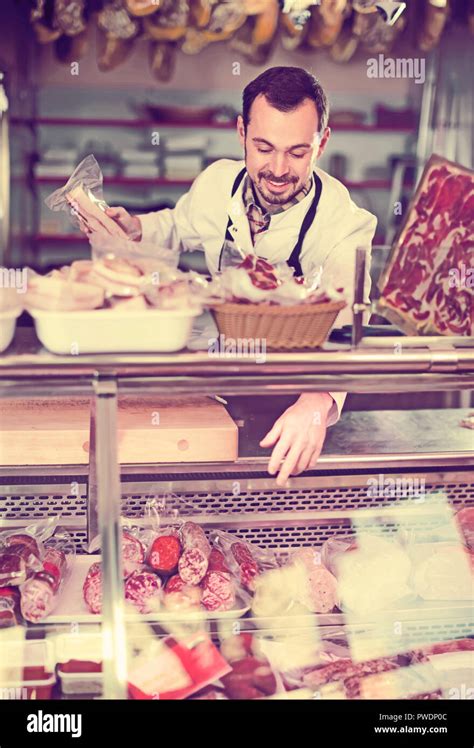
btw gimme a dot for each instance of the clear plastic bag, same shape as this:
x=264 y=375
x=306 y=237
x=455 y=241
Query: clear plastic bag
x=147 y=255
x=40 y=592
x=200 y=561
x=82 y=198
x=21 y=551
x=245 y=560
x=256 y=280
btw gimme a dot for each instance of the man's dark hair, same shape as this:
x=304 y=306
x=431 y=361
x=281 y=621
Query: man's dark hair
x=285 y=88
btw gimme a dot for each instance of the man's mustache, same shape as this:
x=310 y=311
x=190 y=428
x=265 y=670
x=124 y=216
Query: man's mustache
x=276 y=180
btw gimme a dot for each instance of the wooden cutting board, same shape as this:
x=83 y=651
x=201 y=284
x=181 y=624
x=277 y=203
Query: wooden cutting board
x=56 y=431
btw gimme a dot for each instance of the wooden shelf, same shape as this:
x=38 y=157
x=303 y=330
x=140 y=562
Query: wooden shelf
x=365 y=184
x=373 y=184
x=133 y=123
x=152 y=181
x=142 y=123
x=61 y=238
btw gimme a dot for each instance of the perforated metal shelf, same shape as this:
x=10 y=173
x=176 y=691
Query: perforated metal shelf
x=243 y=506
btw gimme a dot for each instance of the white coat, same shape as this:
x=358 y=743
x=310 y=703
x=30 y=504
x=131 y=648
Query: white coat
x=200 y=218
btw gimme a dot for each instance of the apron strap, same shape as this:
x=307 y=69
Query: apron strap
x=294 y=259
x=228 y=235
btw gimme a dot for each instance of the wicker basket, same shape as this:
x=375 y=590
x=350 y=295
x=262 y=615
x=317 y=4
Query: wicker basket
x=282 y=327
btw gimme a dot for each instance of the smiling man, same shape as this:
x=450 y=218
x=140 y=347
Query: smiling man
x=276 y=204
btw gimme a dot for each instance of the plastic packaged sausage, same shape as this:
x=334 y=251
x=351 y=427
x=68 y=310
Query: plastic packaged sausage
x=245 y=560
x=21 y=550
x=40 y=592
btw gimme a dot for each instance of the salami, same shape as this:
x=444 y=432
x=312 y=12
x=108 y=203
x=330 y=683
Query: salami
x=174 y=584
x=143 y=589
x=192 y=566
x=193 y=536
x=55 y=565
x=16 y=561
x=246 y=563
x=12 y=567
x=217 y=561
x=218 y=592
x=40 y=592
x=92 y=588
x=133 y=553
x=22 y=539
x=193 y=563
x=163 y=555
x=37 y=597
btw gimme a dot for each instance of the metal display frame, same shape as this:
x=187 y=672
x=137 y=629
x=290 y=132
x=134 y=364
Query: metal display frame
x=26 y=369
x=104 y=376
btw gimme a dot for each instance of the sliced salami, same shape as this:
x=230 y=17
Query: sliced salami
x=217 y=561
x=247 y=564
x=218 y=592
x=143 y=589
x=163 y=555
x=174 y=584
x=193 y=565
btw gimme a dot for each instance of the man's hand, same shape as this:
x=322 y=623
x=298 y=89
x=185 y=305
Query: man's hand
x=298 y=436
x=130 y=224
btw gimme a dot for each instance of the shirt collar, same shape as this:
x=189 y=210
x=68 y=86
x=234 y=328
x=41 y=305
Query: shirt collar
x=250 y=197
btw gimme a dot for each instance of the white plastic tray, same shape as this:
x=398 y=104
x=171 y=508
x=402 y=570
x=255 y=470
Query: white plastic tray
x=72 y=608
x=111 y=331
x=80 y=683
x=7 y=327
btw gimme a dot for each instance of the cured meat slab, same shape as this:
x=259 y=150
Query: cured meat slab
x=427 y=287
x=56 y=431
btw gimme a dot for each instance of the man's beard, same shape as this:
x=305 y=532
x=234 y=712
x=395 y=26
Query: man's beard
x=270 y=197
